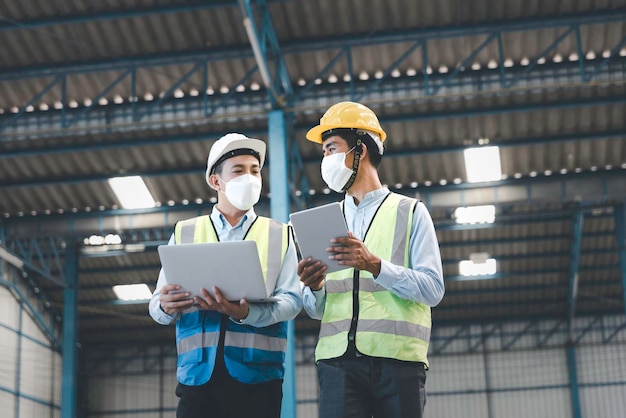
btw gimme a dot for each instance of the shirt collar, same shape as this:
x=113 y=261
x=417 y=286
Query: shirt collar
x=371 y=198
x=220 y=222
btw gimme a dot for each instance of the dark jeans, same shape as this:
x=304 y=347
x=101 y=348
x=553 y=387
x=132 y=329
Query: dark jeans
x=225 y=397
x=365 y=387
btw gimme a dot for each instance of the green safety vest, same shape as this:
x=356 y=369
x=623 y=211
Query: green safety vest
x=386 y=325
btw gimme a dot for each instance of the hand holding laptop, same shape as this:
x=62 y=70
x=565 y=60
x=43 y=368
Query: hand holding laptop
x=233 y=267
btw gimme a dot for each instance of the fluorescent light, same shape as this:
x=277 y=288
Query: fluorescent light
x=482 y=164
x=132 y=192
x=475 y=214
x=135 y=248
x=132 y=292
x=477 y=268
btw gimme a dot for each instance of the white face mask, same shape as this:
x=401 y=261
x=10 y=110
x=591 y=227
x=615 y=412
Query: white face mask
x=243 y=191
x=334 y=171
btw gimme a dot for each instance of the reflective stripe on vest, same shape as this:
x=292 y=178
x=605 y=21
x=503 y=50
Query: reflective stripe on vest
x=195 y=341
x=387 y=326
x=251 y=354
x=252 y=340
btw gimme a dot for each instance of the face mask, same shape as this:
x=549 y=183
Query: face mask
x=243 y=191
x=334 y=171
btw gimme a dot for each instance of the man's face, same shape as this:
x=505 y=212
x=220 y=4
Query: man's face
x=336 y=144
x=238 y=166
x=333 y=145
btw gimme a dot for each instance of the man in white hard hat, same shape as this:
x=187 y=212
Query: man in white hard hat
x=375 y=313
x=231 y=354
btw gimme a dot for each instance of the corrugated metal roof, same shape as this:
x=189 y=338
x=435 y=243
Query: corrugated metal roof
x=561 y=135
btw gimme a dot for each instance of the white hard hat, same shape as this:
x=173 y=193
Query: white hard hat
x=231 y=145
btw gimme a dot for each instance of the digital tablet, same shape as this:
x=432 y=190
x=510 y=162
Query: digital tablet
x=233 y=266
x=315 y=227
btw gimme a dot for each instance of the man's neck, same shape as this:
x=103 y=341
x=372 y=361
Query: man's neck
x=363 y=185
x=231 y=213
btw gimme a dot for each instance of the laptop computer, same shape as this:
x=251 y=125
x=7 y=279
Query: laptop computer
x=233 y=266
x=315 y=227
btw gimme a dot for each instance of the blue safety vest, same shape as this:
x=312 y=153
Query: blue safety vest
x=251 y=354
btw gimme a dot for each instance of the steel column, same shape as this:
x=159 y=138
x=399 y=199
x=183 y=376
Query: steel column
x=573 y=380
x=620 y=231
x=70 y=333
x=279 y=209
x=574 y=267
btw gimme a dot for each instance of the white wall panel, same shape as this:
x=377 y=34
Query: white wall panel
x=552 y=403
x=601 y=363
x=26 y=356
x=527 y=369
x=603 y=401
x=7 y=402
x=126 y=392
x=307 y=389
x=30 y=328
x=37 y=370
x=9 y=309
x=31 y=409
x=456 y=406
x=8 y=358
x=462 y=373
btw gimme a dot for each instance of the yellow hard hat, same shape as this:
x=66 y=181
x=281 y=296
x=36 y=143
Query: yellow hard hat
x=346 y=115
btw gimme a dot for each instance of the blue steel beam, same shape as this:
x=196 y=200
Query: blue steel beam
x=267 y=52
x=279 y=209
x=501 y=331
x=525 y=188
x=36 y=313
x=320 y=44
x=41 y=256
x=169 y=92
x=387 y=72
x=384 y=120
x=574 y=266
x=298 y=129
x=588 y=75
x=102 y=15
x=31 y=102
x=96 y=99
x=620 y=232
x=464 y=64
x=572 y=371
x=149 y=268
x=525 y=273
x=70 y=333
x=535 y=61
x=482 y=291
x=118 y=117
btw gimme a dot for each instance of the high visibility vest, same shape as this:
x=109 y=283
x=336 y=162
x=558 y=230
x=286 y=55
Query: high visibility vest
x=386 y=325
x=251 y=354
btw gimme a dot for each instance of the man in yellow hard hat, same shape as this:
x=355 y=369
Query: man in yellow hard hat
x=231 y=354
x=372 y=350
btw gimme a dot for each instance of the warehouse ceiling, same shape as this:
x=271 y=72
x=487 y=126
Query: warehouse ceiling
x=94 y=90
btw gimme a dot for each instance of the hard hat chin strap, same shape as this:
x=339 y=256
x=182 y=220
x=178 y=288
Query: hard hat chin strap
x=355 y=164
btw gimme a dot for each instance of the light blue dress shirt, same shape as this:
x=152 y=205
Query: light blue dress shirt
x=421 y=282
x=288 y=290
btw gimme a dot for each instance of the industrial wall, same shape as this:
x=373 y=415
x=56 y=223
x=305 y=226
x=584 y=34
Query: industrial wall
x=30 y=369
x=525 y=369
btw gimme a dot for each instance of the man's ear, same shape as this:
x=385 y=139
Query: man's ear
x=364 y=152
x=214 y=182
